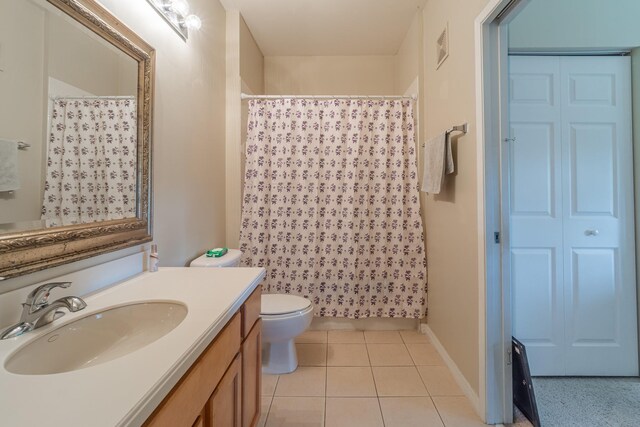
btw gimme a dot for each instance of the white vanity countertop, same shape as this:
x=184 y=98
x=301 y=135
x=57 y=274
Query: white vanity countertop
x=125 y=391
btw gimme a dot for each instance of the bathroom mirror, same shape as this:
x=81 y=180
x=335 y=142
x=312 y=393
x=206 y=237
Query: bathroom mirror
x=75 y=123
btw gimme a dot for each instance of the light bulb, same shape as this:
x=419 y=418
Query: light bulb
x=192 y=22
x=181 y=7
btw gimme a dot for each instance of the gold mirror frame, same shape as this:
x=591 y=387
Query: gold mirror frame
x=29 y=251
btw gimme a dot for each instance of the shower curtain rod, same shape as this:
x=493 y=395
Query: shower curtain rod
x=244 y=96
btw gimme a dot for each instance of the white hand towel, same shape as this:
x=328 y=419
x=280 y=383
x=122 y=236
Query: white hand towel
x=8 y=166
x=438 y=159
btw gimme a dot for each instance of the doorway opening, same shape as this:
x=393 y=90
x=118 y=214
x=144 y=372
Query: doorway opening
x=556 y=107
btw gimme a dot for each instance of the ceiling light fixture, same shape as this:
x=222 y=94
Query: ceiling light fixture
x=176 y=13
x=181 y=7
x=192 y=22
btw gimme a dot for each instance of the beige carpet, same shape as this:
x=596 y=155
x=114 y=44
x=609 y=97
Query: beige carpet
x=588 y=401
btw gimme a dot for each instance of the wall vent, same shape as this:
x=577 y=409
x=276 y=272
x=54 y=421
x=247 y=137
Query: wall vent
x=442 y=46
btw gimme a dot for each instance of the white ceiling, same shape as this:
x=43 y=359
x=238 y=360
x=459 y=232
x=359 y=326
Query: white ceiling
x=327 y=27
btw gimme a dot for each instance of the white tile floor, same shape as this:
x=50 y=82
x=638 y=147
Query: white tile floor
x=369 y=379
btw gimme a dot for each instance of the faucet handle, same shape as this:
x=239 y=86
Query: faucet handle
x=39 y=297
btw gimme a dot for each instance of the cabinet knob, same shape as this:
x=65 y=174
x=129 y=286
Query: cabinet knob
x=591 y=232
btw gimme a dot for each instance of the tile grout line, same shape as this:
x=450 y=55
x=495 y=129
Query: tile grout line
x=273 y=396
x=438 y=411
x=422 y=379
x=266 y=419
x=410 y=355
x=382 y=397
x=376 y=386
x=425 y=386
x=326 y=381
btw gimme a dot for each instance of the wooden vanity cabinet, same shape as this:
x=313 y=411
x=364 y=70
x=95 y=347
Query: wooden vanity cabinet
x=225 y=405
x=222 y=387
x=252 y=376
x=200 y=420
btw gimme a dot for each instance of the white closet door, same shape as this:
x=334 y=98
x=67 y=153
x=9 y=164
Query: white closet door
x=597 y=175
x=536 y=211
x=573 y=269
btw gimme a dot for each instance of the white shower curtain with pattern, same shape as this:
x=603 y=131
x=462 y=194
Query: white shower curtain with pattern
x=92 y=161
x=331 y=205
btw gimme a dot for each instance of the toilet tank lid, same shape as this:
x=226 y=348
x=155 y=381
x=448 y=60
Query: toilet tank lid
x=282 y=304
x=230 y=258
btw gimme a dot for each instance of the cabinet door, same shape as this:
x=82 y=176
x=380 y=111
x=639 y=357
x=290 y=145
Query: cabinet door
x=252 y=376
x=225 y=405
x=201 y=419
x=183 y=406
x=251 y=311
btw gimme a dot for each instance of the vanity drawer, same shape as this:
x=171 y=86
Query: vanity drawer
x=188 y=398
x=251 y=311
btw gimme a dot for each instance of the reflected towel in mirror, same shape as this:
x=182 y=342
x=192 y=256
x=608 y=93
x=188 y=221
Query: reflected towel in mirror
x=8 y=166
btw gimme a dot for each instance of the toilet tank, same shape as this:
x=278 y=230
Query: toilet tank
x=230 y=259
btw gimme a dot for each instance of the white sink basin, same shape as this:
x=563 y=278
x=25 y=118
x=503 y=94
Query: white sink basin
x=97 y=338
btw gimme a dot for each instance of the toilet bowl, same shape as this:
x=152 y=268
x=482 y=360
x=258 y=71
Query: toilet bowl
x=284 y=317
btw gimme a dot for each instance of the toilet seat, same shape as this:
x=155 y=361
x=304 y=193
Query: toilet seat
x=281 y=304
x=283 y=317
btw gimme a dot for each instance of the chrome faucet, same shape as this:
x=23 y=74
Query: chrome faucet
x=37 y=311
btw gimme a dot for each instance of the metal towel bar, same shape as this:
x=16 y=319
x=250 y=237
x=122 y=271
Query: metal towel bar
x=464 y=128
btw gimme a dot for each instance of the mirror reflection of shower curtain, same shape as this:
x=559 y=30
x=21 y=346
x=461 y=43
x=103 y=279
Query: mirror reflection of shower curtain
x=331 y=205
x=91 y=163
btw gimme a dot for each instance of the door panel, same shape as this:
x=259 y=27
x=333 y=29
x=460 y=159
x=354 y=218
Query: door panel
x=536 y=212
x=532 y=88
x=595 y=299
x=532 y=188
x=538 y=293
x=600 y=303
x=593 y=169
x=592 y=89
x=572 y=215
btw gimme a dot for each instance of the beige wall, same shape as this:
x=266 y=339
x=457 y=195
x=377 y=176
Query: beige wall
x=409 y=61
x=188 y=131
x=451 y=217
x=251 y=60
x=82 y=59
x=245 y=73
x=329 y=75
x=409 y=76
x=22 y=105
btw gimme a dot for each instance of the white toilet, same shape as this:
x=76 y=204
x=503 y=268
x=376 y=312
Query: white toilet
x=284 y=317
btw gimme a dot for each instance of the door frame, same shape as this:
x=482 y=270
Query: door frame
x=495 y=317
x=491 y=60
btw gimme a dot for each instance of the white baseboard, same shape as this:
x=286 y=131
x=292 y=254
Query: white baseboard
x=457 y=375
